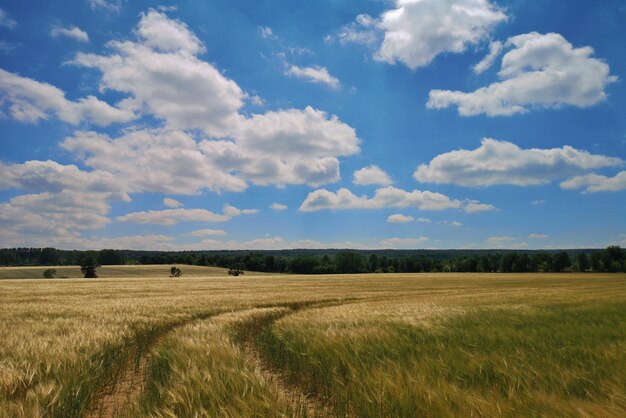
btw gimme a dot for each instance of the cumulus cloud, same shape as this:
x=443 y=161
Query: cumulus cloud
x=112 y=5
x=29 y=101
x=417 y=31
x=399 y=218
x=505 y=242
x=362 y=31
x=267 y=33
x=314 y=74
x=388 y=197
x=71 y=32
x=208 y=232
x=403 y=242
x=171 y=203
x=424 y=220
x=540 y=71
x=166 y=79
x=371 y=174
x=50 y=176
x=596 y=183
x=500 y=162
x=71 y=242
x=495 y=49
x=474 y=206
x=153 y=160
x=270 y=243
x=278 y=206
x=45 y=219
x=455 y=224
x=170 y=217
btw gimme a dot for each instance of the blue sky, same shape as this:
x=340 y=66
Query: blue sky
x=361 y=124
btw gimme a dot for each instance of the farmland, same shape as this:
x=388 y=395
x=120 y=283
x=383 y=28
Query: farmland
x=137 y=343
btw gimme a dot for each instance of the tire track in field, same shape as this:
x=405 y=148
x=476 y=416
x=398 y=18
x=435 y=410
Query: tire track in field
x=127 y=383
x=302 y=404
x=128 y=380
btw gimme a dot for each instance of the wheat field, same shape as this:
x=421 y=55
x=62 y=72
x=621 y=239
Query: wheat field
x=137 y=343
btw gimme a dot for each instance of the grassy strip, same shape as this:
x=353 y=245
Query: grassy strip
x=562 y=360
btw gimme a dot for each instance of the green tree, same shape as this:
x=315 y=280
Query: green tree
x=49 y=273
x=175 y=272
x=236 y=269
x=582 y=261
x=110 y=257
x=350 y=262
x=49 y=257
x=561 y=262
x=88 y=267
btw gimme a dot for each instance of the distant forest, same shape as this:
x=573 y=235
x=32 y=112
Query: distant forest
x=611 y=259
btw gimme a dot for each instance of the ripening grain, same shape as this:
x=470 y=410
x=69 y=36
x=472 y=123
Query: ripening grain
x=384 y=345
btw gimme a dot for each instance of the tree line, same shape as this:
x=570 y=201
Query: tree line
x=611 y=259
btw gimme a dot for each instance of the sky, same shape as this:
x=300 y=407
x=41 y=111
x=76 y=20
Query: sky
x=227 y=124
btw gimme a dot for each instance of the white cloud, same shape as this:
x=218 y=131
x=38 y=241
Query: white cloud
x=208 y=232
x=45 y=218
x=455 y=224
x=540 y=71
x=6 y=21
x=500 y=162
x=371 y=174
x=399 y=218
x=593 y=183
x=278 y=206
x=267 y=33
x=72 y=32
x=387 y=197
x=423 y=220
x=362 y=31
x=112 y=5
x=495 y=49
x=164 y=78
x=154 y=160
x=314 y=74
x=171 y=203
x=50 y=176
x=30 y=101
x=475 y=207
x=403 y=242
x=505 y=242
x=170 y=217
x=537 y=202
x=75 y=242
x=538 y=236
x=417 y=31
x=271 y=243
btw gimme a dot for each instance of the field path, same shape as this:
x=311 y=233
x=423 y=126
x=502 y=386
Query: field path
x=125 y=390
x=127 y=384
x=302 y=404
x=128 y=381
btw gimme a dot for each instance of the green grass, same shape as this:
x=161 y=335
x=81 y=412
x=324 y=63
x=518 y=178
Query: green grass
x=560 y=360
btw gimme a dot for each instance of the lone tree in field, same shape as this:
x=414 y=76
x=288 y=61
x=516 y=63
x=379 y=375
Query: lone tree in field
x=236 y=270
x=88 y=268
x=175 y=272
x=49 y=273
